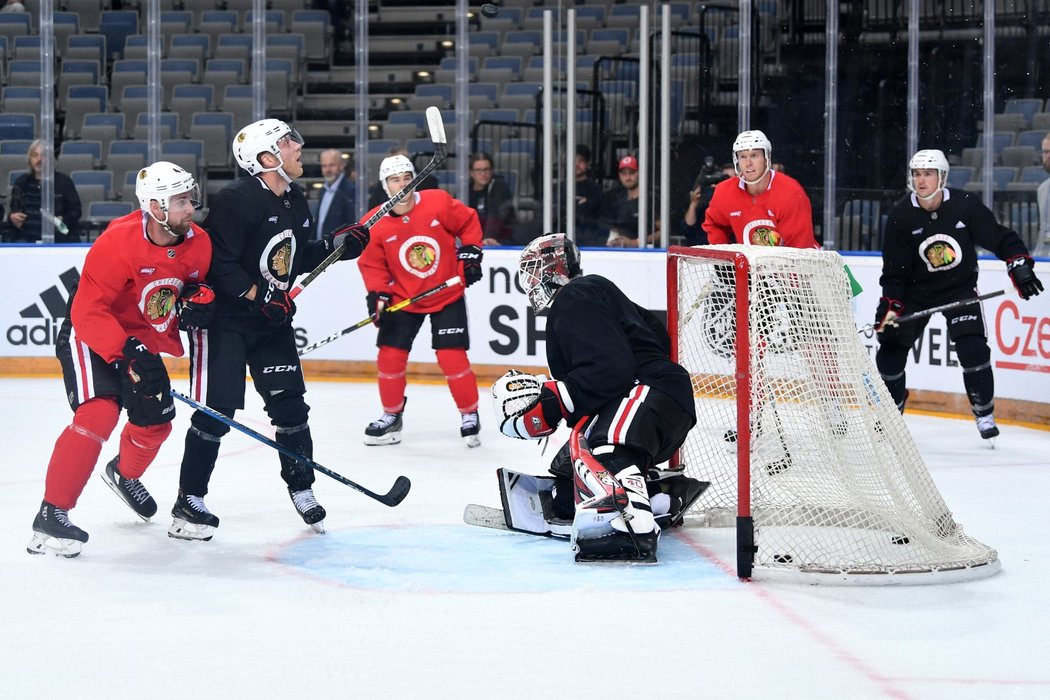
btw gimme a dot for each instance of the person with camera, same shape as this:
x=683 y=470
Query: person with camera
x=699 y=197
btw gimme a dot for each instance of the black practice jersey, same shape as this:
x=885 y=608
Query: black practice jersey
x=931 y=256
x=257 y=238
x=600 y=343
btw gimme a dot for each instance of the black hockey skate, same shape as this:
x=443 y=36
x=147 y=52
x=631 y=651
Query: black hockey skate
x=131 y=491
x=312 y=512
x=54 y=534
x=469 y=429
x=987 y=427
x=191 y=519
x=385 y=430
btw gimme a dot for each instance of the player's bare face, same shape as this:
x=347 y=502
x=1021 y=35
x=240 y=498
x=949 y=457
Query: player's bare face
x=180 y=213
x=925 y=181
x=292 y=155
x=752 y=163
x=396 y=183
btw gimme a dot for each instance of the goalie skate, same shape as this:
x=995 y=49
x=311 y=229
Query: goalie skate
x=53 y=533
x=192 y=520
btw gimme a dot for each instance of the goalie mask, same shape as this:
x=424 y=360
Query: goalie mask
x=928 y=159
x=162 y=181
x=546 y=265
x=752 y=140
x=394 y=165
x=262 y=137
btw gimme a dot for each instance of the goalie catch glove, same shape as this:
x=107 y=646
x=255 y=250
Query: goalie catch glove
x=196 y=307
x=1022 y=274
x=528 y=408
x=887 y=313
x=354 y=236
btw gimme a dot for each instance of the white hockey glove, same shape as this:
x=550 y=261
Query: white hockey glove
x=527 y=407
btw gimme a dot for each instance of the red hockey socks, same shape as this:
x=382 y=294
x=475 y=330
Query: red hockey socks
x=77 y=450
x=461 y=380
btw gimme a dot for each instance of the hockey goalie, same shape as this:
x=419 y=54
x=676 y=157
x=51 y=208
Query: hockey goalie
x=630 y=407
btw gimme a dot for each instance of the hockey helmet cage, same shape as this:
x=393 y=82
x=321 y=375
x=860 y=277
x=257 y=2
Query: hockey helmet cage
x=261 y=137
x=161 y=181
x=546 y=265
x=394 y=165
x=929 y=159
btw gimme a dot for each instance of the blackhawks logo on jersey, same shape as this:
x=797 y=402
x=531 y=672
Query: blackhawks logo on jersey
x=157 y=302
x=419 y=255
x=940 y=253
x=762 y=232
x=160 y=304
x=275 y=262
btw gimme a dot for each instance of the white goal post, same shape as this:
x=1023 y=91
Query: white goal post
x=804 y=448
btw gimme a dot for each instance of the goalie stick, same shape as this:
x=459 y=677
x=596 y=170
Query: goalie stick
x=450 y=282
x=437 y=136
x=937 y=309
x=394 y=496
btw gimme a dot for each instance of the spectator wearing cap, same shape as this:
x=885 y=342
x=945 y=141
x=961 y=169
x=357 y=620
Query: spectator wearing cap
x=620 y=213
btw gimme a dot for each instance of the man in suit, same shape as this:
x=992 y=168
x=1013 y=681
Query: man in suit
x=1042 y=246
x=339 y=192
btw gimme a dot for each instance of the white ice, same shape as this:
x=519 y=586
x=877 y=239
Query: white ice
x=408 y=602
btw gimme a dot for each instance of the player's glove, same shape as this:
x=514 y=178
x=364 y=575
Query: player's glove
x=377 y=303
x=470 y=256
x=886 y=315
x=354 y=236
x=527 y=407
x=275 y=305
x=1022 y=274
x=145 y=369
x=196 y=307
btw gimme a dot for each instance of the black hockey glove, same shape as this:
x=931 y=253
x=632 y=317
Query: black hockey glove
x=886 y=315
x=196 y=307
x=470 y=256
x=275 y=305
x=377 y=303
x=355 y=236
x=145 y=369
x=1022 y=274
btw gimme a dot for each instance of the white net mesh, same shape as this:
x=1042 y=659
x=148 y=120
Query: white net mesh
x=837 y=484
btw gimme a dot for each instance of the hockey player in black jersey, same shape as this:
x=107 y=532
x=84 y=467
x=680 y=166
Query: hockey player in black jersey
x=929 y=258
x=263 y=237
x=613 y=379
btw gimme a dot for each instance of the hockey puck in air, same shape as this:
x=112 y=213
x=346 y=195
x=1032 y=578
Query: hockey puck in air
x=489 y=9
x=783 y=558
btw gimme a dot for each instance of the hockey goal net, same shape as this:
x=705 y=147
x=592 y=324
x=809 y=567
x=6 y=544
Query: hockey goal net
x=804 y=448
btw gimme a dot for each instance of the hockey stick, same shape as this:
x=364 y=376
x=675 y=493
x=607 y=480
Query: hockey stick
x=451 y=281
x=937 y=309
x=391 y=498
x=437 y=136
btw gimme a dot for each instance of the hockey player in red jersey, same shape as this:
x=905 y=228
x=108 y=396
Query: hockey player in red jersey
x=613 y=380
x=426 y=238
x=142 y=280
x=761 y=206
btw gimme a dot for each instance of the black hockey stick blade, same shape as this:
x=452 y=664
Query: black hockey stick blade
x=937 y=309
x=395 y=495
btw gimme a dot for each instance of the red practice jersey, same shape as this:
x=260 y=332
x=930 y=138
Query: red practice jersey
x=410 y=254
x=129 y=286
x=782 y=215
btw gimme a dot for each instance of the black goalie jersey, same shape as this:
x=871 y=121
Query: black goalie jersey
x=258 y=238
x=599 y=343
x=931 y=256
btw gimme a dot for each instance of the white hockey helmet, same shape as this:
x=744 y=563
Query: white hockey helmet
x=394 y=165
x=749 y=140
x=546 y=265
x=929 y=159
x=161 y=181
x=261 y=137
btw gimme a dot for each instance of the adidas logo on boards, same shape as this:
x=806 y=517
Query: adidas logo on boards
x=42 y=325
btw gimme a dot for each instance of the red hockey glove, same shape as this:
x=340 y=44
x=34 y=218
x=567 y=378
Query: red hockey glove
x=275 y=305
x=196 y=307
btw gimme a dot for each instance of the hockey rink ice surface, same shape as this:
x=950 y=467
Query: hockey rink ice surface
x=409 y=602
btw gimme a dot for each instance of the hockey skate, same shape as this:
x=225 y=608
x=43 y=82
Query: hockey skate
x=987 y=427
x=131 y=491
x=469 y=429
x=54 y=534
x=385 y=430
x=192 y=519
x=312 y=513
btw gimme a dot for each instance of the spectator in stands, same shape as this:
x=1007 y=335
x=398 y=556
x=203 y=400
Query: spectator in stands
x=492 y=199
x=23 y=221
x=589 y=231
x=376 y=193
x=338 y=194
x=700 y=197
x=621 y=206
x=13 y=6
x=1043 y=197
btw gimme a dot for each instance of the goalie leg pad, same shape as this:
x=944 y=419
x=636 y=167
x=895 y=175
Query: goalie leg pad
x=616 y=523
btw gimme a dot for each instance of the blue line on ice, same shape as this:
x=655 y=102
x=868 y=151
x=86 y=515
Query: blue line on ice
x=461 y=559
